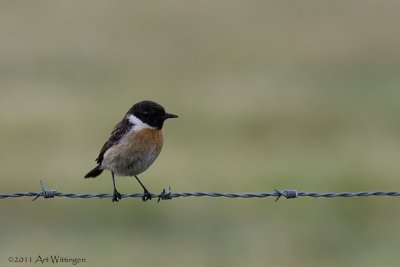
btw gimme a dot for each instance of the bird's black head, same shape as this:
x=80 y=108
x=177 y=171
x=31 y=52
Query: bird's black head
x=151 y=113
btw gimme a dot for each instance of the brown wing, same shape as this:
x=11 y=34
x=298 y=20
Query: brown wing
x=119 y=131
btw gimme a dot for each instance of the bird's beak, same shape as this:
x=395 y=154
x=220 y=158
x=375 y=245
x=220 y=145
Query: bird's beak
x=170 y=116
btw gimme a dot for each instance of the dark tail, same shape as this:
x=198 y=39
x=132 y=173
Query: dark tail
x=94 y=173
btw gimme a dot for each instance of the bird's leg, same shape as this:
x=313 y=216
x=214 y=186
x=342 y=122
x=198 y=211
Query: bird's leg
x=116 y=195
x=146 y=193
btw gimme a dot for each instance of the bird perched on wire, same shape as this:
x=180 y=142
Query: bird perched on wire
x=134 y=144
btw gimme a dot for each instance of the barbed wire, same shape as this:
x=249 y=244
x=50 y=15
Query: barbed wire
x=168 y=194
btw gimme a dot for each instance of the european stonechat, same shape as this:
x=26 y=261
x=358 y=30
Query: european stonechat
x=134 y=144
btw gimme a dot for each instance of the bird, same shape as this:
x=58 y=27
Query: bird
x=134 y=144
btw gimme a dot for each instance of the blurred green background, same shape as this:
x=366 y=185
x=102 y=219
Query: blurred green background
x=271 y=94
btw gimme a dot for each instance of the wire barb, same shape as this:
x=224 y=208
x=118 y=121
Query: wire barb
x=46 y=193
x=165 y=194
x=288 y=193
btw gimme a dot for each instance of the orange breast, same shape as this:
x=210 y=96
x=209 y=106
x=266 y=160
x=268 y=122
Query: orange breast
x=145 y=139
x=135 y=152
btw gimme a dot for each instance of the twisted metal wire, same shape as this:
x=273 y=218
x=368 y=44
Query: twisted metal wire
x=168 y=194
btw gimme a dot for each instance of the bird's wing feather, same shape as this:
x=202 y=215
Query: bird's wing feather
x=119 y=131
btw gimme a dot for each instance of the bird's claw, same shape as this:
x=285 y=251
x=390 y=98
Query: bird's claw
x=116 y=196
x=146 y=196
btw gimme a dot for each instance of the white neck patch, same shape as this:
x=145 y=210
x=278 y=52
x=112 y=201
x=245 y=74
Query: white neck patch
x=138 y=124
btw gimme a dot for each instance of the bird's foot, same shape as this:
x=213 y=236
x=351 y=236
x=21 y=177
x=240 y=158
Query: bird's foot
x=116 y=196
x=146 y=196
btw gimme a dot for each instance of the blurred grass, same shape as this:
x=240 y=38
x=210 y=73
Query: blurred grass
x=271 y=94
